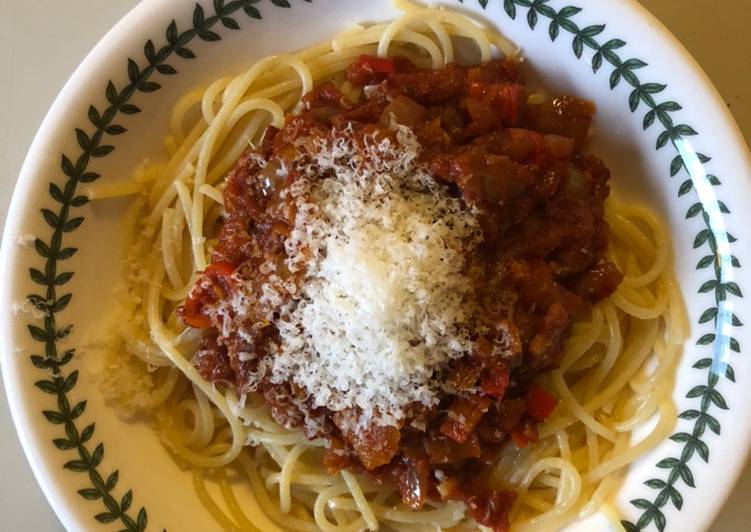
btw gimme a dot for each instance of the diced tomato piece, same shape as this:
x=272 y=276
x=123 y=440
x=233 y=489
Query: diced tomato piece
x=540 y=403
x=338 y=457
x=223 y=268
x=325 y=95
x=213 y=285
x=491 y=509
x=192 y=315
x=520 y=439
x=495 y=382
x=382 y=65
x=463 y=416
x=565 y=115
x=504 y=98
x=375 y=445
x=369 y=69
x=525 y=434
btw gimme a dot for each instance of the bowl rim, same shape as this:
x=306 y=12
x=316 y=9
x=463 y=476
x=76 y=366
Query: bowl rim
x=103 y=53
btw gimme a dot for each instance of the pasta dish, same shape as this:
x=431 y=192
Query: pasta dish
x=382 y=284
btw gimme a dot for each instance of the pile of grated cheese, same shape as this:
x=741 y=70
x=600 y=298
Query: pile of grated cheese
x=385 y=303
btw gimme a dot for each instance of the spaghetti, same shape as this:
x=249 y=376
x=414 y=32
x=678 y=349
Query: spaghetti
x=615 y=374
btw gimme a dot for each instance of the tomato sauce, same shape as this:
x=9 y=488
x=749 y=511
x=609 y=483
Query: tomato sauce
x=540 y=204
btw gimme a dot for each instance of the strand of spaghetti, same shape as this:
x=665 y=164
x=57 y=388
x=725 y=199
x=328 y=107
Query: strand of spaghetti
x=589 y=359
x=304 y=479
x=183 y=195
x=599 y=495
x=375 y=34
x=259 y=418
x=397 y=30
x=269 y=510
x=279 y=65
x=439 y=30
x=576 y=347
x=564 y=449
x=166 y=200
x=462 y=27
x=216 y=447
x=661 y=247
x=168 y=250
x=210 y=97
x=285 y=500
x=632 y=358
x=160 y=395
x=290 y=85
x=206 y=420
x=659 y=433
x=306 y=54
x=646 y=407
x=362 y=503
x=352 y=39
x=178 y=237
x=212 y=193
x=319 y=511
x=178 y=295
x=277 y=452
x=621 y=299
x=647 y=401
x=593 y=448
x=281 y=439
x=624 y=229
x=667 y=361
x=572 y=404
x=257 y=104
x=188 y=434
x=639 y=383
x=566 y=494
x=612 y=350
x=539 y=452
x=546 y=480
x=185 y=155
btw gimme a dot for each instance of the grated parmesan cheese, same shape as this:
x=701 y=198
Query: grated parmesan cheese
x=385 y=303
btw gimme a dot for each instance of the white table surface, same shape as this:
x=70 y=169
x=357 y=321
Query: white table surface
x=34 y=69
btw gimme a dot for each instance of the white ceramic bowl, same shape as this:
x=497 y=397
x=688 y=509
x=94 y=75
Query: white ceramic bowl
x=661 y=128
